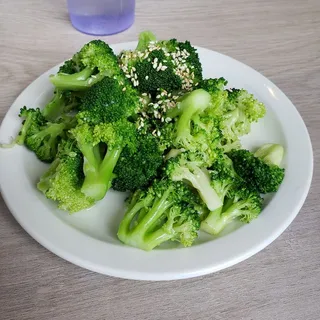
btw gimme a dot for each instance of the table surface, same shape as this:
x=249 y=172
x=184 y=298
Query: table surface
x=279 y=38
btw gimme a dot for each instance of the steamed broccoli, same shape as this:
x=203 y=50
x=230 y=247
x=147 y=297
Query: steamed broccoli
x=108 y=101
x=99 y=163
x=170 y=65
x=159 y=214
x=190 y=168
x=270 y=153
x=219 y=96
x=40 y=136
x=61 y=103
x=136 y=168
x=92 y=63
x=258 y=175
x=243 y=204
x=189 y=107
x=63 y=180
x=241 y=109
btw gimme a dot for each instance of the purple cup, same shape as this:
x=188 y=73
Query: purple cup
x=101 y=17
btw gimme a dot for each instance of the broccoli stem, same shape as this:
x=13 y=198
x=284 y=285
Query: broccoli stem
x=154 y=214
x=200 y=181
x=44 y=184
x=55 y=107
x=99 y=174
x=24 y=129
x=142 y=235
x=76 y=81
x=216 y=221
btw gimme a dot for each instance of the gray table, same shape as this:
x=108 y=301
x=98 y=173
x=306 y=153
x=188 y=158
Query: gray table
x=279 y=38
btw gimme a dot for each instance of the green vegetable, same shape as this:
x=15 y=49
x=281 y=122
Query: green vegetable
x=99 y=163
x=40 y=136
x=169 y=65
x=243 y=204
x=136 y=168
x=92 y=63
x=258 y=175
x=63 y=180
x=109 y=100
x=159 y=214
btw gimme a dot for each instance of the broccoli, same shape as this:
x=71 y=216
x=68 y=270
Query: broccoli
x=108 y=101
x=61 y=103
x=189 y=168
x=63 y=180
x=258 y=175
x=92 y=63
x=99 y=163
x=159 y=214
x=241 y=109
x=145 y=38
x=154 y=65
x=40 y=136
x=219 y=96
x=136 y=168
x=270 y=153
x=188 y=108
x=243 y=204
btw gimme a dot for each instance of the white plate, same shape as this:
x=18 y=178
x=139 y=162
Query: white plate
x=88 y=238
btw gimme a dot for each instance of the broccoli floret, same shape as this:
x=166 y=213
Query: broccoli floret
x=169 y=65
x=189 y=168
x=240 y=111
x=61 y=103
x=145 y=38
x=258 y=175
x=219 y=96
x=186 y=52
x=135 y=169
x=95 y=61
x=244 y=204
x=150 y=79
x=99 y=163
x=159 y=214
x=40 y=136
x=63 y=180
x=108 y=101
x=188 y=108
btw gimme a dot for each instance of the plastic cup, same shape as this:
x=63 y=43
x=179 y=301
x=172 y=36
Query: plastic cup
x=101 y=17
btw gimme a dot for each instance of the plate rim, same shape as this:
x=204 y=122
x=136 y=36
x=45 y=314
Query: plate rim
x=170 y=276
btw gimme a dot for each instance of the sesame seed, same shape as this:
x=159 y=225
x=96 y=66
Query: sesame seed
x=124 y=89
x=133 y=68
x=158 y=96
x=147 y=77
x=163 y=68
x=144 y=94
x=128 y=76
x=159 y=133
x=135 y=76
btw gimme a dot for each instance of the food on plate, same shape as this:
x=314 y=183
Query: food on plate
x=148 y=123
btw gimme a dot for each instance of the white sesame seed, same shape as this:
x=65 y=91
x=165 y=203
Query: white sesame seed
x=158 y=96
x=163 y=68
x=144 y=94
x=135 y=76
x=134 y=69
x=124 y=89
x=128 y=76
x=159 y=133
x=147 y=77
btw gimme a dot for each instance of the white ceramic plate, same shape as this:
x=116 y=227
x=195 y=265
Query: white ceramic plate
x=88 y=238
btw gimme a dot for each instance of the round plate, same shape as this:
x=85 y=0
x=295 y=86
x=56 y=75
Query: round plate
x=89 y=239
